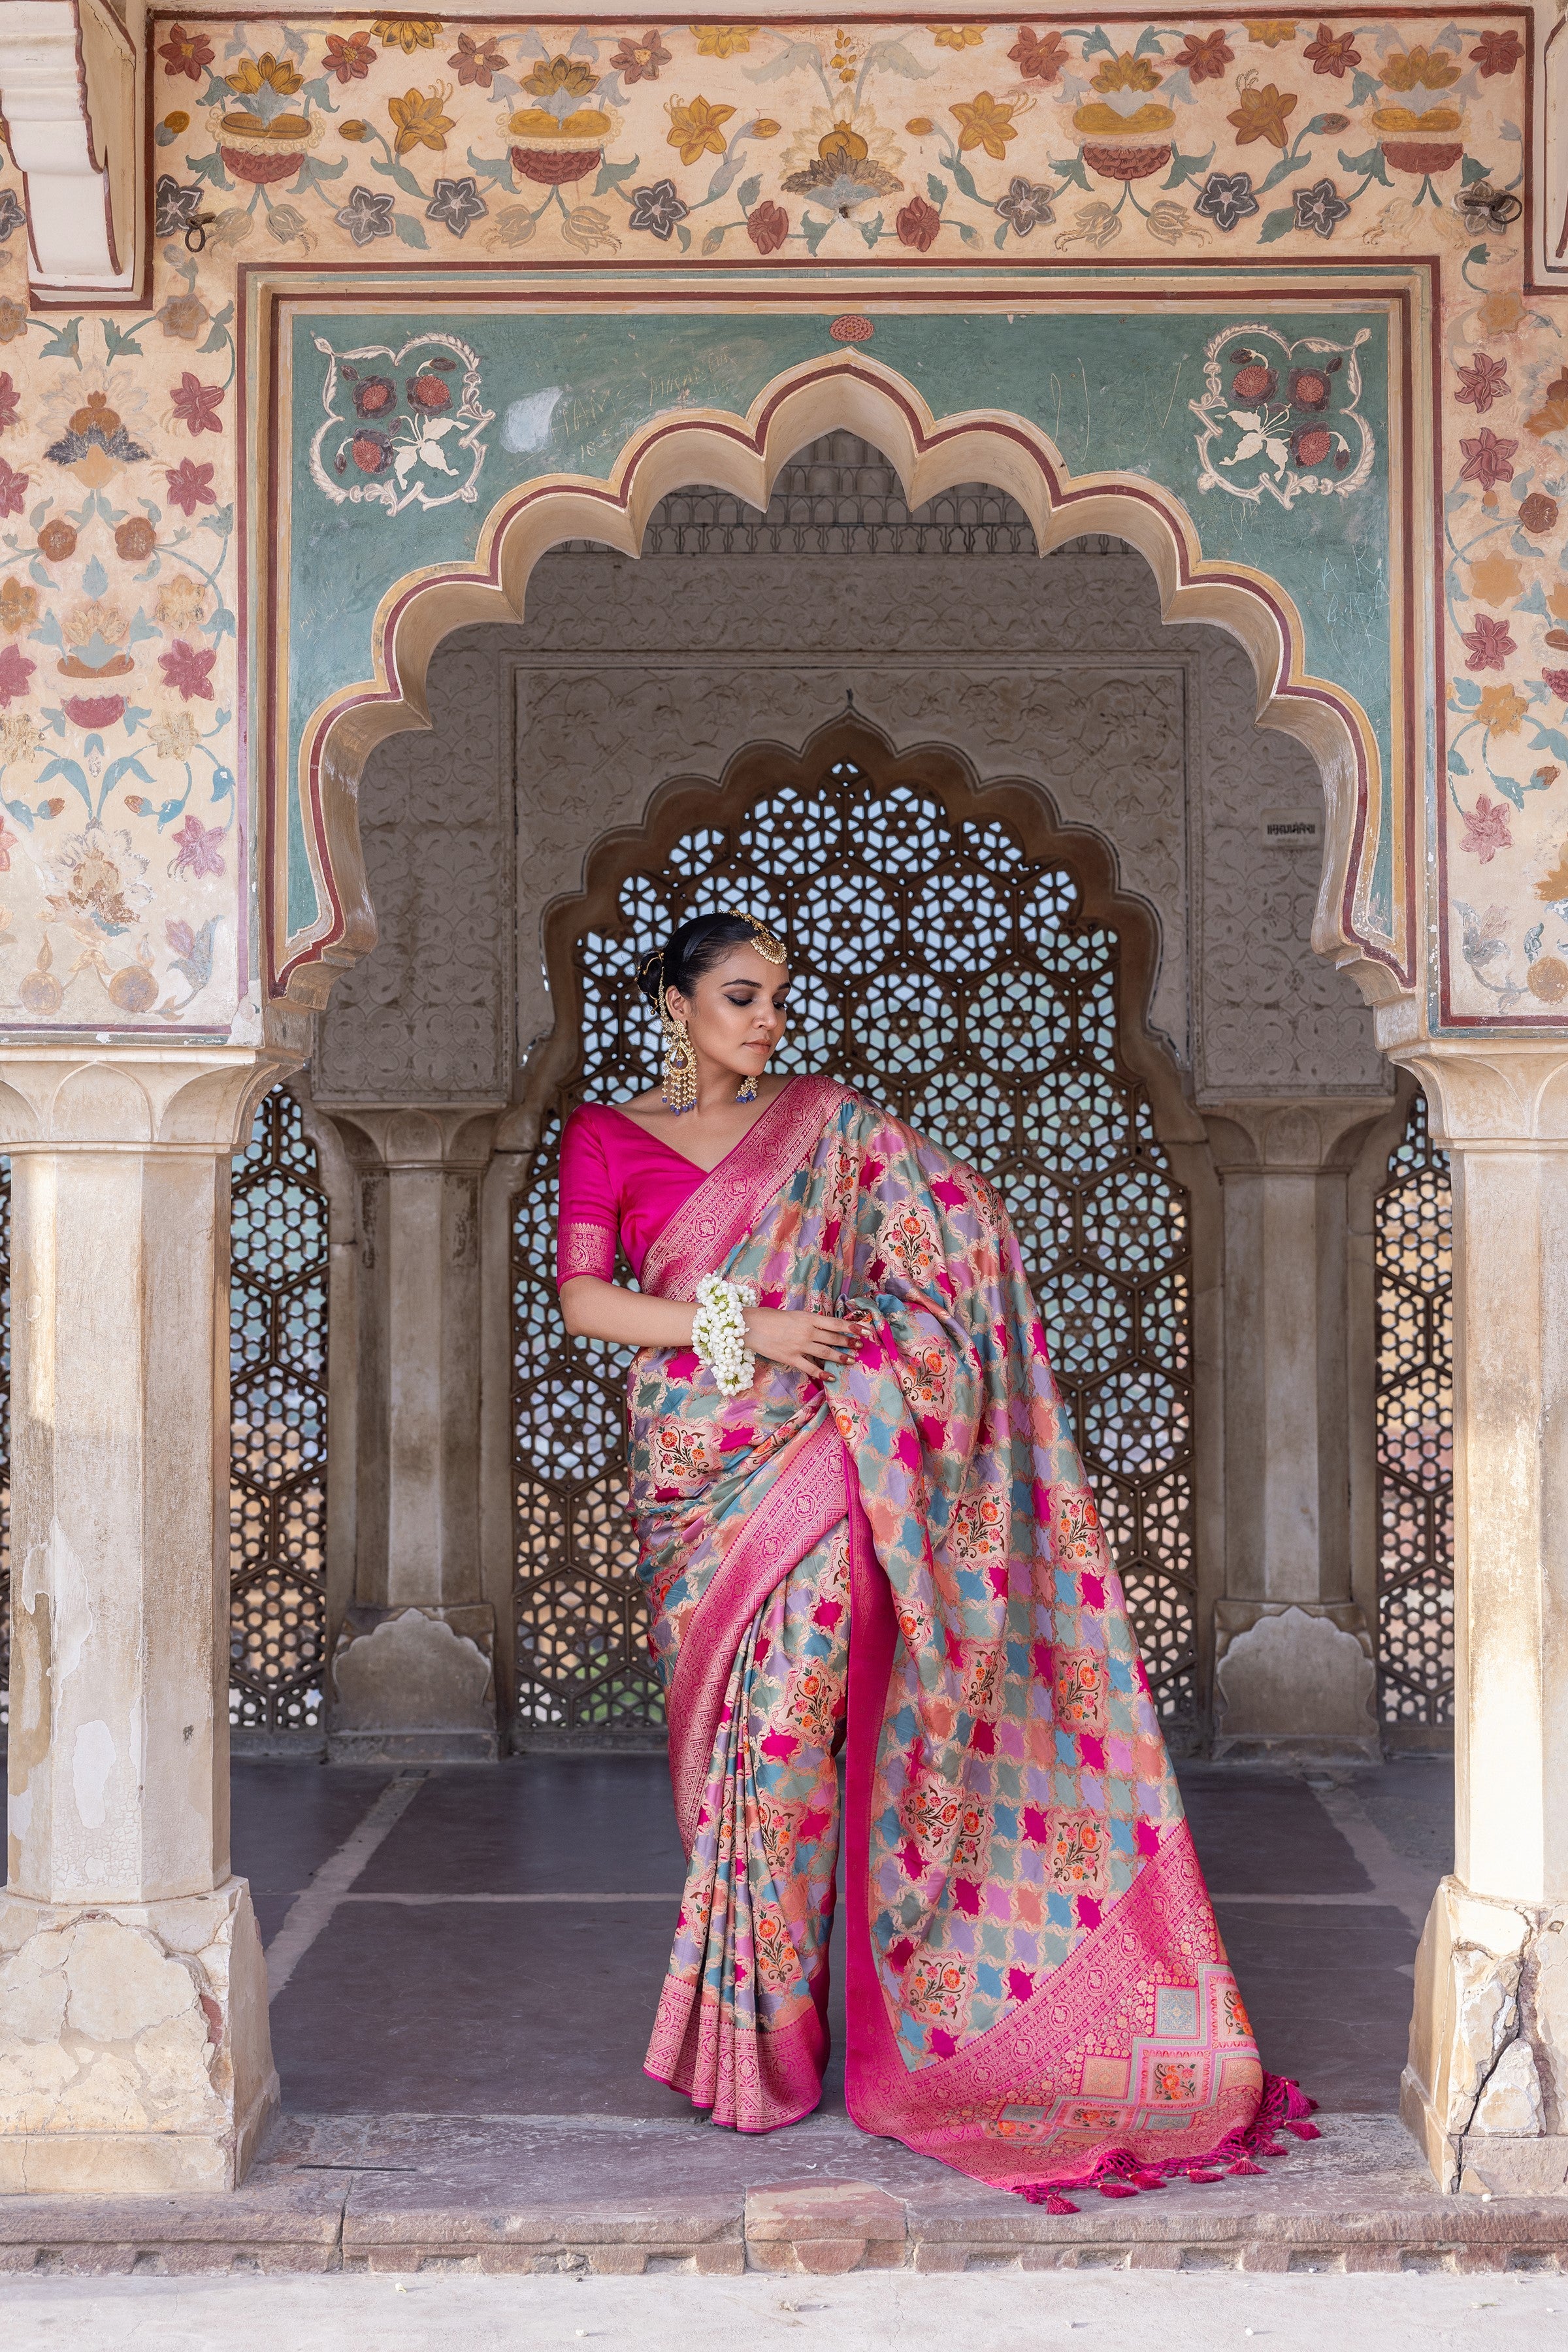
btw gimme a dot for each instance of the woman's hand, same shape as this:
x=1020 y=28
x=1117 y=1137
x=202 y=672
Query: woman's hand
x=806 y=1342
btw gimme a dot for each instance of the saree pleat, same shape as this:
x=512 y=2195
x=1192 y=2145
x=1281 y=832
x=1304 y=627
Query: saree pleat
x=1037 y=1993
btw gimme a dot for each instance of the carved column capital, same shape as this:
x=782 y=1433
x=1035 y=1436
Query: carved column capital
x=1498 y=1092
x=72 y=74
x=136 y=1098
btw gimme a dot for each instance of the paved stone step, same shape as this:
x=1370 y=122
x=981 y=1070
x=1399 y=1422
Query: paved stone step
x=586 y=2194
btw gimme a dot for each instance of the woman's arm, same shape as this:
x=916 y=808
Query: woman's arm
x=592 y=1309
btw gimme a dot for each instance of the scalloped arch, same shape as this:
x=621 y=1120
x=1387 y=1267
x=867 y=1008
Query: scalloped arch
x=743 y=455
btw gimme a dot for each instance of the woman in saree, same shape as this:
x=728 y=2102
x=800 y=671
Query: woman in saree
x=864 y=1524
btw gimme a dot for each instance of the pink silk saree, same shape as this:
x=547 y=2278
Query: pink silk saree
x=905 y=1559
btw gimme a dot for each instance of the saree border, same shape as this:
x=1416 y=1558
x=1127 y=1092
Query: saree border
x=705 y=1229
x=809 y=1496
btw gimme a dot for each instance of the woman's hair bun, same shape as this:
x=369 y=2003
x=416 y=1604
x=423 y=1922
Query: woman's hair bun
x=699 y=943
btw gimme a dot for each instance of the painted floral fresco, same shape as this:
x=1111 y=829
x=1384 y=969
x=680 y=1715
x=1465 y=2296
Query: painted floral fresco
x=123 y=855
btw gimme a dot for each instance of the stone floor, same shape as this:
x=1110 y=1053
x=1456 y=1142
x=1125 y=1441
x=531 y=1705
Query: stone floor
x=464 y=1962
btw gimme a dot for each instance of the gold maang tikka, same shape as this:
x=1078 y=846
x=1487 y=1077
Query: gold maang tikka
x=772 y=949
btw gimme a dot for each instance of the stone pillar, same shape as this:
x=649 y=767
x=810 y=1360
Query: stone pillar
x=1294 y=1670
x=413 y=1667
x=135 y=2054
x=1486 y=2091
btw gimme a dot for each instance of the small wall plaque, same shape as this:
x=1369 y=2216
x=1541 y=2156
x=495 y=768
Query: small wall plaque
x=1293 y=829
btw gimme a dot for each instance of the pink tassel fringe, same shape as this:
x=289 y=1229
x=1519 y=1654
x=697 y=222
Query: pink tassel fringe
x=1284 y=2106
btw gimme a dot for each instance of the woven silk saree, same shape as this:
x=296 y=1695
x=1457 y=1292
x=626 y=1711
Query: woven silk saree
x=904 y=1561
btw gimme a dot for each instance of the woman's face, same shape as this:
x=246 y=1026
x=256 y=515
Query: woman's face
x=735 y=1013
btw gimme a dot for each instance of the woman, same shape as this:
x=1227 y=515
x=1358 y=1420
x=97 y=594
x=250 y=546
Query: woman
x=863 y=1522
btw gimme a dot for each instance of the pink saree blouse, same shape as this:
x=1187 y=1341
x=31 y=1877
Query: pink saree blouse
x=617 y=1181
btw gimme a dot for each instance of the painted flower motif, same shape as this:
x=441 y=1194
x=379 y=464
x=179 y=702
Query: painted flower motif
x=1497 y=53
x=723 y=40
x=1487 y=460
x=1271 y=30
x=182 y=601
x=186 y=53
x=12 y=489
x=1486 y=829
x=1319 y=206
x=135 y=539
x=1026 y=206
x=1491 y=642
x=428 y=391
x=1038 y=59
x=698 y=128
x=1486 y=210
x=12 y=216
x=1500 y=708
x=16 y=669
x=957 y=37
x=477 y=63
x=253 y=74
x=1496 y=580
x=188 y=670
x=1261 y=114
x=1309 y=388
x=919 y=224
x=1226 y=198
x=658 y=210
x=190 y=486
x=1482 y=384
x=374 y=396
x=639 y=57
x=419 y=119
x=18 y=606
x=851 y=162
x=1538 y=513
x=1126 y=72
x=406 y=32
x=10 y=402
x=196 y=406
x=174 y=209
x=984 y=121
x=20 y=737
x=767 y=225
x=1311 y=444
x=56 y=541
x=366 y=215
x=457 y=205
x=174 y=735
x=1205 y=56
x=182 y=316
x=553 y=76
x=1557 y=680
x=12 y=319
x=198 y=849
x=1421 y=69
x=350 y=59
x=1333 y=53
x=1254 y=382
x=1502 y=312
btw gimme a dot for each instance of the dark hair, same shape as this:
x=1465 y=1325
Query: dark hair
x=700 y=942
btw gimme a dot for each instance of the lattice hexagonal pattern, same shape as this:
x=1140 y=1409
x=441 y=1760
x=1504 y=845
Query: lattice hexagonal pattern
x=1416 y=1431
x=958 y=981
x=278 y=1426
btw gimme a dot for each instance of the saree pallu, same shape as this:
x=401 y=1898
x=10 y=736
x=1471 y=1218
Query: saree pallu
x=904 y=1559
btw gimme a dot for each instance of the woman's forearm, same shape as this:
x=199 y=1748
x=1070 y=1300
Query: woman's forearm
x=592 y=1309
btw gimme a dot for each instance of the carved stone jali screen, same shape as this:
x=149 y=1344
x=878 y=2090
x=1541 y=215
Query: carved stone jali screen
x=1415 y=1431
x=950 y=968
x=278 y=1426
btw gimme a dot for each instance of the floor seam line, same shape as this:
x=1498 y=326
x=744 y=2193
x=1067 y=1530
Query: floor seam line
x=312 y=1908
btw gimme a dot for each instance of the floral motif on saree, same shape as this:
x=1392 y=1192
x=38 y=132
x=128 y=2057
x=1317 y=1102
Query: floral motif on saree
x=904 y=1559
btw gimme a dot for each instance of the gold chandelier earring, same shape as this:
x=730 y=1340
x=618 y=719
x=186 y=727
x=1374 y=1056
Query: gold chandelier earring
x=678 y=1083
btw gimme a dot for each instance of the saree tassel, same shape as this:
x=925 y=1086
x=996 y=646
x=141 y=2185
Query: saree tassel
x=1243 y=2165
x=1051 y=2200
x=1205 y=2176
x=1116 y=2188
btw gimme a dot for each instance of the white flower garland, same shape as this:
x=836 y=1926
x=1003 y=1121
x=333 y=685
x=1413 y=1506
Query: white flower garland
x=719 y=1332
